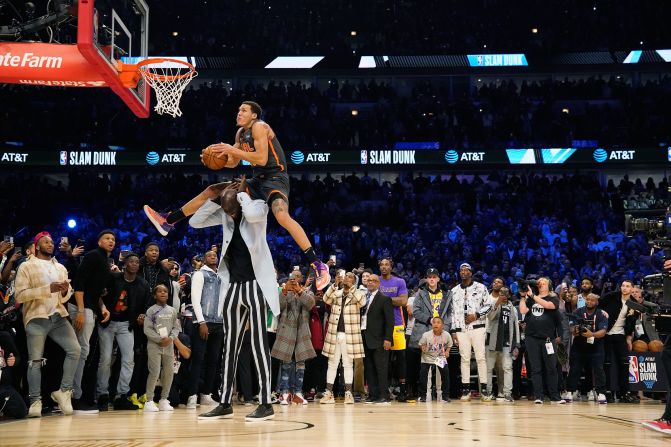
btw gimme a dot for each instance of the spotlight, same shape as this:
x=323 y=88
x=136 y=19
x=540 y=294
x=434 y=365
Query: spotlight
x=72 y=223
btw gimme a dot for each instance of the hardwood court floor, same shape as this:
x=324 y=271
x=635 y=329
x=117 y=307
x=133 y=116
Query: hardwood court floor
x=416 y=425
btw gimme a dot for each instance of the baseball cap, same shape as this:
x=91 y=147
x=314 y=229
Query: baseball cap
x=466 y=265
x=432 y=271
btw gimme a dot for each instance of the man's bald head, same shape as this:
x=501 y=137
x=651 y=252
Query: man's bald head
x=229 y=203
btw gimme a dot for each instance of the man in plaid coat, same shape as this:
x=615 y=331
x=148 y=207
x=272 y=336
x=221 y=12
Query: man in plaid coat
x=343 y=336
x=293 y=341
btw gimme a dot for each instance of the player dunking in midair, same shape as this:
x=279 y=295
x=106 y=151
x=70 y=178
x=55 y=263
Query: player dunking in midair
x=256 y=143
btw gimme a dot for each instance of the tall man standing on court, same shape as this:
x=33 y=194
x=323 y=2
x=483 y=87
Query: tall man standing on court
x=248 y=285
x=470 y=306
x=93 y=275
x=395 y=288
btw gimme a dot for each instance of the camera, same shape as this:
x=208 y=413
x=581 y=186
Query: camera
x=658 y=231
x=292 y=286
x=652 y=227
x=583 y=324
x=532 y=284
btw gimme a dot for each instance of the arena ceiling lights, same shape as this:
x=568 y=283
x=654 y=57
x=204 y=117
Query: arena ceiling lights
x=644 y=56
x=475 y=62
x=295 y=62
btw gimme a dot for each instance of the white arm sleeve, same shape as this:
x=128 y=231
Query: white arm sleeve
x=197 y=281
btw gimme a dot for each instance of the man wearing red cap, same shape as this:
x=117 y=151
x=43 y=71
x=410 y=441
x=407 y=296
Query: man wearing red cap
x=42 y=286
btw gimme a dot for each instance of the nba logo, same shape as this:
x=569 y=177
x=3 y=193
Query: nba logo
x=364 y=157
x=480 y=60
x=633 y=369
x=64 y=158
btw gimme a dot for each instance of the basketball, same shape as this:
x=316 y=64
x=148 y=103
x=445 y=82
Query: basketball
x=212 y=161
x=640 y=346
x=655 y=346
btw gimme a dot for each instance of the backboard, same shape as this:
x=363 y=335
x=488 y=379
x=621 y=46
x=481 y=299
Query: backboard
x=108 y=30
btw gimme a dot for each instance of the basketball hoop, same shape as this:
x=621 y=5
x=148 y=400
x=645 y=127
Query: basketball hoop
x=168 y=77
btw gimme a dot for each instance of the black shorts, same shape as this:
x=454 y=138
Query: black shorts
x=269 y=187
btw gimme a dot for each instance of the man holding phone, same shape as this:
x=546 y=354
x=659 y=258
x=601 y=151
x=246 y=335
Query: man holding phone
x=90 y=281
x=71 y=262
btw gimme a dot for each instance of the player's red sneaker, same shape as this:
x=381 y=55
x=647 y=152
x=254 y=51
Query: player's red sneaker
x=660 y=425
x=322 y=273
x=158 y=219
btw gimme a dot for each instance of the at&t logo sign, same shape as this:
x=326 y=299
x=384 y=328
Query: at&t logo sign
x=297 y=157
x=453 y=156
x=152 y=158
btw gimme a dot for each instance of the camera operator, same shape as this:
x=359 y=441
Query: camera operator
x=663 y=424
x=621 y=321
x=542 y=328
x=587 y=350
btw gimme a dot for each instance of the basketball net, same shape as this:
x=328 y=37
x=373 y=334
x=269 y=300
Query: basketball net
x=168 y=78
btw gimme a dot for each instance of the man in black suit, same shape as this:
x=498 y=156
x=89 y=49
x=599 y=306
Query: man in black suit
x=377 y=327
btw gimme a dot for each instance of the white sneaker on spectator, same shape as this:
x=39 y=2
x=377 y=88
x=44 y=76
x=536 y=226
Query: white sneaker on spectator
x=567 y=396
x=349 y=398
x=64 y=400
x=328 y=398
x=192 y=402
x=539 y=401
x=601 y=398
x=164 y=405
x=285 y=399
x=150 y=407
x=206 y=400
x=591 y=396
x=35 y=410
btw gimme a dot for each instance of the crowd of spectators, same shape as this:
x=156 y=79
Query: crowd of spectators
x=510 y=225
x=500 y=227
x=513 y=112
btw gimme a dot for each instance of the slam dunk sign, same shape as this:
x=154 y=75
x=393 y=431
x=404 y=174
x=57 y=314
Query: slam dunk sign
x=645 y=372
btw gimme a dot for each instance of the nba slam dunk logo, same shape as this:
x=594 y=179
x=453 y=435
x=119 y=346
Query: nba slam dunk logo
x=643 y=369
